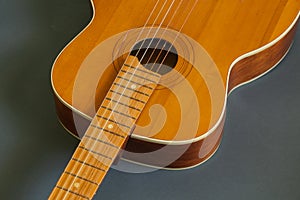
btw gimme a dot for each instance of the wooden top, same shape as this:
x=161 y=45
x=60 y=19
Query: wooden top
x=226 y=29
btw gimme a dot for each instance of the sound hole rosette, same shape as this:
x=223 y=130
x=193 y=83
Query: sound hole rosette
x=182 y=47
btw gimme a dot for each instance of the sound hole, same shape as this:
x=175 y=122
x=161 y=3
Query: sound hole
x=156 y=54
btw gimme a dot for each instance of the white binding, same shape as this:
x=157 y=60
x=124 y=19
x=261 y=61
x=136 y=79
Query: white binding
x=148 y=165
x=169 y=142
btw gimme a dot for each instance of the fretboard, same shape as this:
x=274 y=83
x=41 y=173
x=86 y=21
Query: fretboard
x=107 y=133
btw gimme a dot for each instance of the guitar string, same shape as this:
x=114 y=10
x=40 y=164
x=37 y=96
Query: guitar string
x=144 y=27
x=106 y=149
x=153 y=25
x=152 y=38
x=187 y=17
x=133 y=73
x=168 y=50
x=172 y=42
x=176 y=37
x=156 y=46
x=161 y=50
x=149 y=17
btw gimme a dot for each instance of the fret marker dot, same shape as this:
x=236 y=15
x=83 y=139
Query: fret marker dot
x=110 y=126
x=76 y=185
x=133 y=86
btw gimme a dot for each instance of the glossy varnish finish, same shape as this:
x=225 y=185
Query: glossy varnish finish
x=261 y=61
x=225 y=29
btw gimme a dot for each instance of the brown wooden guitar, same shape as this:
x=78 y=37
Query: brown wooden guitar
x=147 y=80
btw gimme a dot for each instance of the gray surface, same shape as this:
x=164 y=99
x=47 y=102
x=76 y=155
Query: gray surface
x=258 y=158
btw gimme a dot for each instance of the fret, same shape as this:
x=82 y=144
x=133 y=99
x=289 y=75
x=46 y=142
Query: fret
x=123 y=104
x=139 y=74
x=130 y=89
x=84 y=171
x=90 y=159
x=117 y=112
x=115 y=122
x=144 y=78
x=144 y=71
x=105 y=149
x=129 y=103
x=111 y=132
x=96 y=152
x=101 y=141
x=75 y=184
x=124 y=95
x=68 y=194
x=81 y=167
x=122 y=114
x=134 y=82
x=114 y=137
x=102 y=152
x=87 y=164
x=80 y=177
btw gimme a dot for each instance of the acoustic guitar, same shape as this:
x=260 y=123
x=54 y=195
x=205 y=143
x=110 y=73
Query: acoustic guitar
x=147 y=81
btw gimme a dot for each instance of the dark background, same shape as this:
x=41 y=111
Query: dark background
x=259 y=157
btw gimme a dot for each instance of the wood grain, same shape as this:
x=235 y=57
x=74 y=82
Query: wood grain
x=219 y=32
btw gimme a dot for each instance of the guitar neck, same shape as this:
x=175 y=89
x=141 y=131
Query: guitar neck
x=107 y=133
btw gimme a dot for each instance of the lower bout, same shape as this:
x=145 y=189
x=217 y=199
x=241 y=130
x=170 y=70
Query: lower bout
x=147 y=152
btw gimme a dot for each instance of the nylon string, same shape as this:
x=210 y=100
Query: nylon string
x=141 y=59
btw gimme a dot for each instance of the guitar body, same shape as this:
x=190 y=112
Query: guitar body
x=216 y=47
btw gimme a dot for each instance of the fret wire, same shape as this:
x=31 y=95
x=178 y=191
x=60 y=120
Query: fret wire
x=91 y=174
x=113 y=133
x=148 y=77
x=121 y=107
x=95 y=152
x=144 y=71
x=112 y=143
x=90 y=161
x=79 y=177
x=84 y=181
x=120 y=113
x=101 y=141
x=104 y=160
x=123 y=104
x=120 y=77
x=92 y=158
x=124 y=95
x=87 y=164
x=116 y=122
x=122 y=86
x=72 y=192
x=138 y=76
